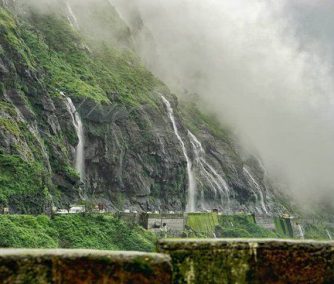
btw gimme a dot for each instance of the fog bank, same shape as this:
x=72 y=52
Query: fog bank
x=259 y=68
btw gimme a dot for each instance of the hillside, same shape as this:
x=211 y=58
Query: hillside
x=73 y=231
x=126 y=142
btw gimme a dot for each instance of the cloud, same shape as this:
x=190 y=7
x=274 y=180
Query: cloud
x=257 y=67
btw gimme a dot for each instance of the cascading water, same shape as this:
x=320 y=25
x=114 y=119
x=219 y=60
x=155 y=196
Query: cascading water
x=329 y=235
x=301 y=232
x=216 y=182
x=191 y=204
x=79 y=151
x=259 y=190
x=71 y=17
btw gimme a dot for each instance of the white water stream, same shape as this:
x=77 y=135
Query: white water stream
x=259 y=190
x=329 y=235
x=214 y=179
x=71 y=17
x=191 y=204
x=301 y=232
x=79 y=151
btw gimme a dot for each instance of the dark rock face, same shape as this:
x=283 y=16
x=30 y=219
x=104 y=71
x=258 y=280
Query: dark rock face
x=253 y=261
x=83 y=266
x=134 y=160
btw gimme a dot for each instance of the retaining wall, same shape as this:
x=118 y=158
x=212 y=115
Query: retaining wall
x=250 y=261
x=83 y=266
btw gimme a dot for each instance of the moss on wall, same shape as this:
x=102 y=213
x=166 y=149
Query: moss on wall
x=83 y=266
x=283 y=227
x=202 y=224
x=249 y=261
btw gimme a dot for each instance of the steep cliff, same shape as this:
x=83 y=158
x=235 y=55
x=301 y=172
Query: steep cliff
x=140 y=145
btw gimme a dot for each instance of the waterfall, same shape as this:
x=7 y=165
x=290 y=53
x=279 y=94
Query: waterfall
x=79 y=151
x=260 y=192
x=301 y=232
x=71 y=17
x=329 y=234
x=214 y=179
x=191 y=204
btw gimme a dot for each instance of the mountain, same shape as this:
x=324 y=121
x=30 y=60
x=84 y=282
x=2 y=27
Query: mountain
x=82 y=120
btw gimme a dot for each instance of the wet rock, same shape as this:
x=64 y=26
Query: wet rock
x=18 y=101
x=54 y=124
x=48 y=104
x=3 y=68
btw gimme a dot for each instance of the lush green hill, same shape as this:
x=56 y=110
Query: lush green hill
x=73 y=231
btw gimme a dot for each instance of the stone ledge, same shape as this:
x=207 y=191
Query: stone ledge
x=83 y=266
x=250 y=261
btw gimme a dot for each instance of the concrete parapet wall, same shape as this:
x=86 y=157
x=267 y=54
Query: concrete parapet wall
x=250 y=261
x=173 y=223
x=83 y=266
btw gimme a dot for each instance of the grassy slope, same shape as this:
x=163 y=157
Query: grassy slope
x=202 y=224
x=243 y=226
x=73 y=231
x=237 y=226
x=78 y=71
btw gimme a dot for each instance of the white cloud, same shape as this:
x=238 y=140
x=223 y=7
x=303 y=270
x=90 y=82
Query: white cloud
x=257 y=68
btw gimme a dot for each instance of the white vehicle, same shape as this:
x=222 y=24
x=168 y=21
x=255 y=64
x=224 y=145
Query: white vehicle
x=77 y=209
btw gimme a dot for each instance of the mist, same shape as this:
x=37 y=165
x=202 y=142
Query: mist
x=263 y=67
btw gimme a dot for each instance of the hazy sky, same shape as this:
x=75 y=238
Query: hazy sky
x=264 y=67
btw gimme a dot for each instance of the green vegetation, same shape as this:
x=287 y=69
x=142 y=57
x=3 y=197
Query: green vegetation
x=202 y=224
x=75 y=69
x=73 y=231
x=19 y=231
x=241 y=226
x=317 y=231
x=283 y=227
x=225 y=226
x=44 y=55
x=22 y=184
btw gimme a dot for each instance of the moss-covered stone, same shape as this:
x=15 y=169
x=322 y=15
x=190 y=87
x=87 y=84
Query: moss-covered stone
x=202 y=224
x=83 y=266
x=250 y=261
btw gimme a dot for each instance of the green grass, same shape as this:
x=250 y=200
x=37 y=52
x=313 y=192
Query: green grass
x=242 y=226
x=317 y=231
x=22 y=184
x=283 y=227
x=73 y=231
x=27 y=232
x=205 y=225
x=10 y=125
x=75 y=70
x=202 y=224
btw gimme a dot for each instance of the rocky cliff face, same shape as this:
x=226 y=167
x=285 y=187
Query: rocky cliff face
x=132 y=156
